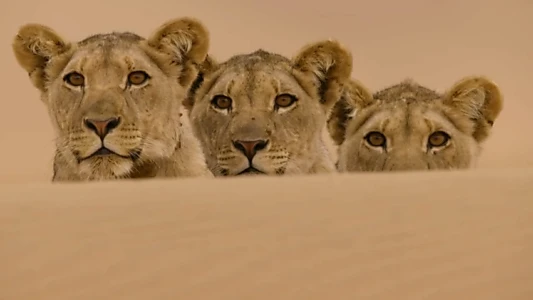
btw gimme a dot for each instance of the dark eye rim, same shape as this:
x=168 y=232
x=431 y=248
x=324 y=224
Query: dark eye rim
x=447 y=139
x=293 y=98
x=146 y=77
x=66 y=78
x=369 y=134
x=215 y=104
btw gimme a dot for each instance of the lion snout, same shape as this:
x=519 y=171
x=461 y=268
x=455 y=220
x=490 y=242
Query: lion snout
x=102 y=126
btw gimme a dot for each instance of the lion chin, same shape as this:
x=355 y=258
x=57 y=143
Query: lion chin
x=105 y=164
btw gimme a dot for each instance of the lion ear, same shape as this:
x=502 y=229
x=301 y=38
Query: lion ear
x=33 y=46
x=329 y=64
x=354 y=98
x=357 y=95
x=186 y=42
x=479 y=99
x=208 y=66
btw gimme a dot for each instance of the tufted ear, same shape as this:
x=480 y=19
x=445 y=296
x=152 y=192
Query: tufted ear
x=354 y=98
x=479 y=99
x=208 y=66
x=34 y=46
x=185 y=42
x=330 y=66
x=357 y=95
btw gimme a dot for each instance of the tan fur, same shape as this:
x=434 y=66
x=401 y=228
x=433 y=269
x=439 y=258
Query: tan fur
x=153 y=137
x=315 y=77
x=407 y=114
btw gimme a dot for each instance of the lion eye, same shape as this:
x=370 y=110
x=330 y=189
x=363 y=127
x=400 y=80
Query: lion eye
x=222 y=102
x=74 y=79
x=137 y=77
x=438 y=139
x=376 y=139
x=284 y=100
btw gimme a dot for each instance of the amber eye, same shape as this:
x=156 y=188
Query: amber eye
x=376 y=139
x=221 y=102
x=74 y=79
x=284 y=100
x=438 y=139
x=137 y=77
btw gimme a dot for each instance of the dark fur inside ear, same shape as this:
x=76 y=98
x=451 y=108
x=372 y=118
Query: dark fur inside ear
x=330 y=66
x=354 y=97
x=338 y=120
x=185 y=42
x=188 y=102
x=34 y=46
x=479 y=99
x=208 y=66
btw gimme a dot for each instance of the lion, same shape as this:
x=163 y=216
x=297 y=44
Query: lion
x=410 y=127
x=262 y=113
x=115 y=99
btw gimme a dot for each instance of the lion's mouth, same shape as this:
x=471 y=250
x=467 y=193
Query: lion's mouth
x=103 y=151
x=250 y=171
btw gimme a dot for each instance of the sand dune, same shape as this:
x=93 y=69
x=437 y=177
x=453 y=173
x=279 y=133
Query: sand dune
x=387 y=236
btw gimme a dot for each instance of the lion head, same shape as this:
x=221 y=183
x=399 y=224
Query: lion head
x=263 y=113
x=114 y=99
x=410 y=127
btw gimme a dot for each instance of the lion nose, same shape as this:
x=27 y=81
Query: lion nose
x=102 y=127
x=250 y=148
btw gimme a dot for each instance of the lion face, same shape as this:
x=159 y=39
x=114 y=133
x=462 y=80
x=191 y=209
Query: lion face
x=409 y=127
x=407 y=136
x=258 y=119
x=114 y=99
x=112 y=107
x=259 y=114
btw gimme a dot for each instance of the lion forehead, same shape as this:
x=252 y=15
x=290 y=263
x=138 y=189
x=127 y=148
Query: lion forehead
x=407 y=91
x=99 y=58
x=256 y=60
x=247 y=74
x=110 y=40
x=110 y=46
x=418 y=118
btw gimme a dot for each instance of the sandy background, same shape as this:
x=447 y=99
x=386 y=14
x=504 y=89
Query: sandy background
x=170 y=240
x=381 y=236
x=434 y=42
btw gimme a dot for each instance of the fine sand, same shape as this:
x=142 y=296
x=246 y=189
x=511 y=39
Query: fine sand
x=465 y=235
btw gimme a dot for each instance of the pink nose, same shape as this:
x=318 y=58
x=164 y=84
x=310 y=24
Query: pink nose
x=102 y=127
x=250 y=148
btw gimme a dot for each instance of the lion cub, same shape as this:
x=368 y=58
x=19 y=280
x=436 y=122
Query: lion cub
x=114 y=99
x=410 y=127
x=263 y=113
